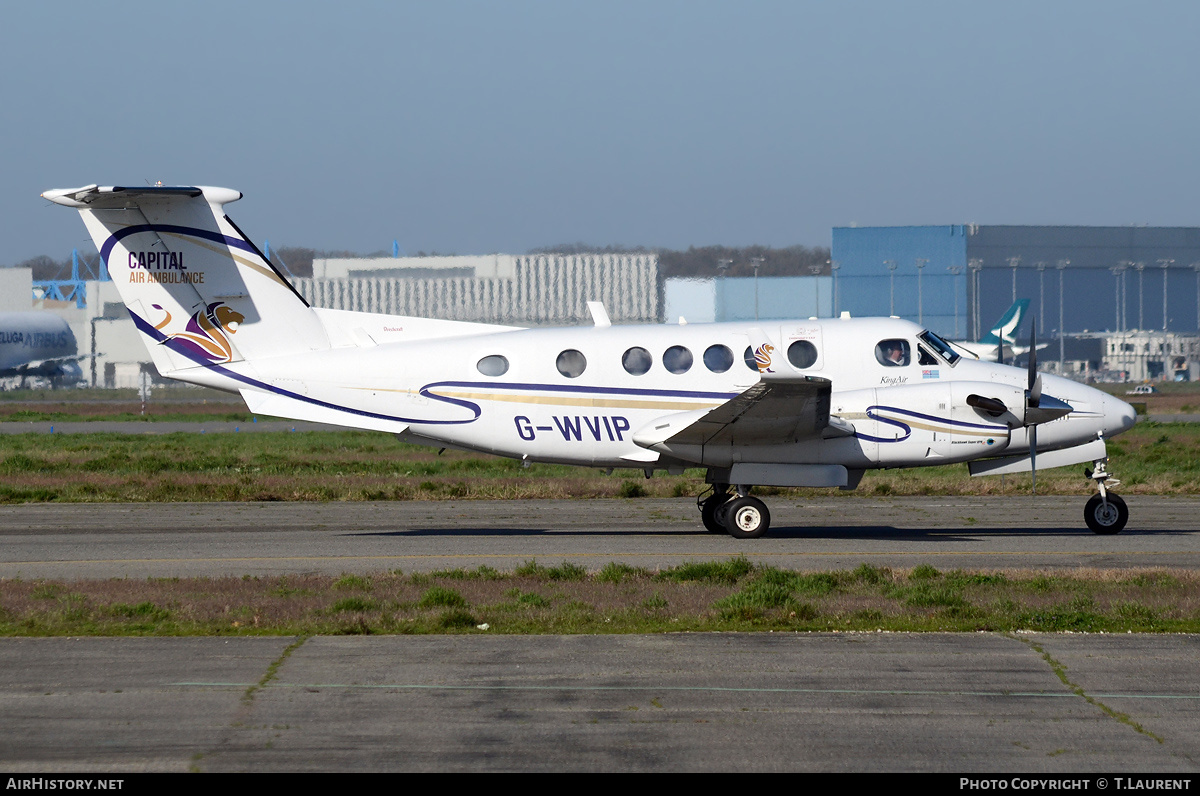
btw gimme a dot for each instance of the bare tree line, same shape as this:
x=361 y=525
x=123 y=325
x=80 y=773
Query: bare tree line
x=705 y=261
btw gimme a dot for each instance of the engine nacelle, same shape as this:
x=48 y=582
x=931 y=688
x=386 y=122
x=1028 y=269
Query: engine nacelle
x=932 y=422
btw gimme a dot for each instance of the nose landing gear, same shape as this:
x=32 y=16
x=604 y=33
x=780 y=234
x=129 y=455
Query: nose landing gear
x=1105 y=513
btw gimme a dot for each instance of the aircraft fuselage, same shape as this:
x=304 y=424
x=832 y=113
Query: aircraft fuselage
x=903 y=415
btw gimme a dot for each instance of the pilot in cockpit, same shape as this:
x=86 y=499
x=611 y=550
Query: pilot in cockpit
x=893 y=353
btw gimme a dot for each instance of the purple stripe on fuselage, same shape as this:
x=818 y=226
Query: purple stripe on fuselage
x=871 y=413
x=574 y=388
x=145 y=327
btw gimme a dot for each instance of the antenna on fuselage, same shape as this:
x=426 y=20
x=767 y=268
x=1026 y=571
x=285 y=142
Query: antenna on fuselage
x=599 y=314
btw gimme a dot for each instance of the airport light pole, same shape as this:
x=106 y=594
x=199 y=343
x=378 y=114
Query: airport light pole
x=976 y=265
x=1165 y=264
x=1140 y=268
x=1041 y=267
x=1061 y=266
x=833 y=269
x=955 y=270
x=816 y=272
x=1117 y=271
x=891 y=266
x=1014 y=263
x=1125 y=298
x=757 y=261
x=722 y=268
x=921 y=263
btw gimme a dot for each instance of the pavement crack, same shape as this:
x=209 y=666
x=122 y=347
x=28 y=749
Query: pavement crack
x=272 y=670
x=241 y=719
x=1060 y=670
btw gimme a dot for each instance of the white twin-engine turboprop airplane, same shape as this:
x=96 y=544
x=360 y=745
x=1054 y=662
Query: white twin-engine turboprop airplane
x=782 y=403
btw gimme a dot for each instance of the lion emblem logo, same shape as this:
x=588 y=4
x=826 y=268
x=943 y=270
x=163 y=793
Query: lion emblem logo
x=762 y=357
x=206 y=333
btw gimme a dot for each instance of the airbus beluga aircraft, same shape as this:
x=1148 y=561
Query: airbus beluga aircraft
x=811 y=403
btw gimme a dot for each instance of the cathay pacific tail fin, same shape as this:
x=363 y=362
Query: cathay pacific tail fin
x=1005 y=330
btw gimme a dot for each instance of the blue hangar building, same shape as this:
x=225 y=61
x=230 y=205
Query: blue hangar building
x=959 y=278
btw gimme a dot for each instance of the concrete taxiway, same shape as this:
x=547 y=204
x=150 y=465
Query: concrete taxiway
x=210 y=539
x=1029 y=704
x=980 y=702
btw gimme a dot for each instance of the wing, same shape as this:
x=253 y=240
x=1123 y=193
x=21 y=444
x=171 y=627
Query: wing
x=774 y=411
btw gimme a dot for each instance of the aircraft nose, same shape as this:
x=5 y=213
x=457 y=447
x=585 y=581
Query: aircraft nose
x=1118 y=416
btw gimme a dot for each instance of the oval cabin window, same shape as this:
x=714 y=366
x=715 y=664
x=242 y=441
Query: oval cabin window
x=494 y=365
x=718 y=358
x=571 y=363
x=677 y=359
x=636 y=361
x=802 y=354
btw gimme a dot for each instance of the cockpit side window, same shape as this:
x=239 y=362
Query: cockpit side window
x=893 y=353
x=940 y=346
x=924 y=357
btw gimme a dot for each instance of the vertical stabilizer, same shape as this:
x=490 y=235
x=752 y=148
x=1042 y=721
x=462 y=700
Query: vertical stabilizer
x=1005 y=330
x=197 y=288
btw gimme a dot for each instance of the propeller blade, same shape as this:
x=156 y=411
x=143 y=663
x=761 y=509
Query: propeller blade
x=1033 y=394
x=1033 y=456
x=1033 y=401
x=1033 y=352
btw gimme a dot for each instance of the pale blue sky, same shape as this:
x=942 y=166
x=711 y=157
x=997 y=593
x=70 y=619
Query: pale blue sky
x=475 y=127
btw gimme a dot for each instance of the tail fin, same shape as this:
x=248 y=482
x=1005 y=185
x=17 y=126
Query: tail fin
x=1005 y=330
x=199 y=291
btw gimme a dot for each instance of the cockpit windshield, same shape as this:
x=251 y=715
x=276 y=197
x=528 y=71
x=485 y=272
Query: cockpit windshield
x=943 y=349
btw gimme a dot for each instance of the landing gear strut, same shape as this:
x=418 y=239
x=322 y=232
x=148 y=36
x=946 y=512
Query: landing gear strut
x=1104 y=513
x=740 y=516
x=712 y=512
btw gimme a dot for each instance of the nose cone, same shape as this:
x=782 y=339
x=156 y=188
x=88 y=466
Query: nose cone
x=1118 y=416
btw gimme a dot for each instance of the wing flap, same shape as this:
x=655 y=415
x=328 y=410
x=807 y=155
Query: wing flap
x=774 y=411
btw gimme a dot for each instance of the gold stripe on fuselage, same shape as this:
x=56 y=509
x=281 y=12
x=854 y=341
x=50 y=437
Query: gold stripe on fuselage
x=554 y=400
x=946 y=428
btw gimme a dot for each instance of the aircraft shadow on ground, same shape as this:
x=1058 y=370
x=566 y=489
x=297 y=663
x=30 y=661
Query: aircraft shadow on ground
x=787 y=532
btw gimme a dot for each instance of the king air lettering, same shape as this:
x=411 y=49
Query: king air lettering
x=163 y=267
x=577 y=428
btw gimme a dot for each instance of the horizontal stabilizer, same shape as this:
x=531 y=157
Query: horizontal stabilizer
x=115 y=196
x=1008 y=465
x=264 y=403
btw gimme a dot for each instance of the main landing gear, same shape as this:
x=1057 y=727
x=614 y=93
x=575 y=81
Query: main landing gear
x=745 y=517
x=1104 y=513
x=739 y=515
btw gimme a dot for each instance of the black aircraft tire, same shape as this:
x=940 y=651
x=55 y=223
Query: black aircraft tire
x=1106 y=520
x=746 y=518
x=710 y=515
